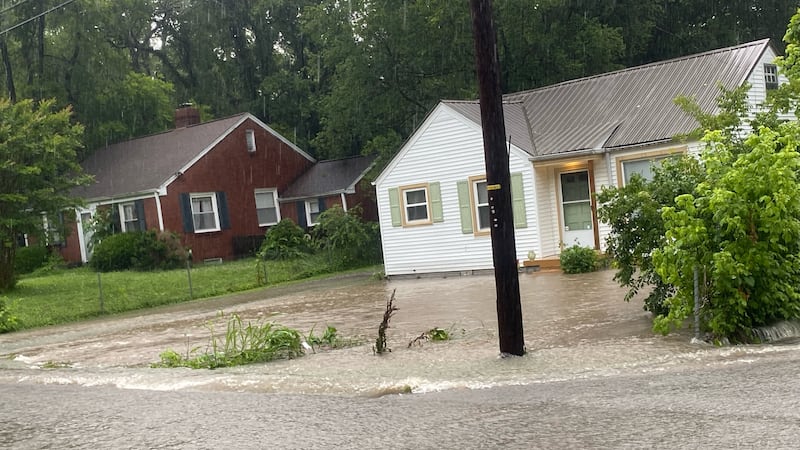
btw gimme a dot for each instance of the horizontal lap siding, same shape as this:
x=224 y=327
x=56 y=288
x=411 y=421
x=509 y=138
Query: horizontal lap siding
x=446 y=151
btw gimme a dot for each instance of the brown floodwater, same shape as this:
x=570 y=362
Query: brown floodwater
x=576 y=326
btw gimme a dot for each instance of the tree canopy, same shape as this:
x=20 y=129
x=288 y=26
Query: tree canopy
x=337 y=77
x=38 y=169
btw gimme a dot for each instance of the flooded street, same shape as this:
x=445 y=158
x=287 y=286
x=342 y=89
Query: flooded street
x=594 y=375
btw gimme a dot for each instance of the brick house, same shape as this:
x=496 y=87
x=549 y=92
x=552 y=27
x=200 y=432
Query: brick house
x=218 y=184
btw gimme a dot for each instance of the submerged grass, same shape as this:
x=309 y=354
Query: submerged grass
x=243 y=343
x=69 y=295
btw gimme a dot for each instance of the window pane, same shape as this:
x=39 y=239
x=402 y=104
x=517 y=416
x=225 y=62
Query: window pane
x=417 y=213
x=265 y=200
x=415 y=197
x=267 y=216
x=313 y=207
x=129 y=212
x=643 y=167
x=203 y=214
x=483 y=194
x=483 y=217
x=575 y=186
x=578 y=216
x=204 y=221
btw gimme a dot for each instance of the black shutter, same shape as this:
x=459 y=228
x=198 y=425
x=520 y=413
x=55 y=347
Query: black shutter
x=222 y=205
x=301 y=214
x=186 y=212
x=321 y=203
x=141 y=225
x=116 y=224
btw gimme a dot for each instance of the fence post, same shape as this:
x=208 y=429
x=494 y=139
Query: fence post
x=100 y=289
x=189 y=272
x=696 y=303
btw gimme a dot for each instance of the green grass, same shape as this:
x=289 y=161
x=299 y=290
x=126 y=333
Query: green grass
x=63 y=296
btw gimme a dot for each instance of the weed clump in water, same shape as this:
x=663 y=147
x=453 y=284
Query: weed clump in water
x=380 y=342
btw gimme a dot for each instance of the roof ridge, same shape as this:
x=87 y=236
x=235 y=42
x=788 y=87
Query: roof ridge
x=173 y=129
x=760 y=42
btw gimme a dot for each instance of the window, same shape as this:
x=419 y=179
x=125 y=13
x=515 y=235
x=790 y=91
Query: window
x=267 y=207
x=771 y=76
x=312 y=212
x=204 y=212
x=129 y=217
x=415 y=205
x=480 y=204
x=641 y=166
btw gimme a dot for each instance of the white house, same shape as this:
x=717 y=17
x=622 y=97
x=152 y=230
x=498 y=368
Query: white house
x=565 y=142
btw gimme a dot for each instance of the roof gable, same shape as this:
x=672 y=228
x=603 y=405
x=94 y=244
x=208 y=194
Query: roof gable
x=150 y=163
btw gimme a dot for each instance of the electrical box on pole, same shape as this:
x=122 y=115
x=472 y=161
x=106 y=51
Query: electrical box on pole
x=498 y=180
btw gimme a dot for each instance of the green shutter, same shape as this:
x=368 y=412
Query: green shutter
x=518 y=201
x=394 y=207
x=464 y=207
x=436 y=202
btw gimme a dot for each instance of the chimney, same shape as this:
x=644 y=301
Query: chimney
x=186 y=115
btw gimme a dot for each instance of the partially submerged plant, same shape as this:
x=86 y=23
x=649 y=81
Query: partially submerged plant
x=434 y=334
x=243 y=344
x=380 y=342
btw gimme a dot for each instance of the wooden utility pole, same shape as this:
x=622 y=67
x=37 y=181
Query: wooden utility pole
x=498 y=180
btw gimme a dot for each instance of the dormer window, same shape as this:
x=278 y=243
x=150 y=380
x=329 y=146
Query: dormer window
x=771 y=76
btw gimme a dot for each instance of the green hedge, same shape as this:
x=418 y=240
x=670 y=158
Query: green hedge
x=138 y=250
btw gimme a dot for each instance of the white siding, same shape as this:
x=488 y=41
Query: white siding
x=758 y=89
x=446 y=149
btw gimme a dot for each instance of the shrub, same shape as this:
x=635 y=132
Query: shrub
x=139 y=250
x=284 y=241
x=348 y=240
x=8 y=322
x=577 y=259
x=28 y=259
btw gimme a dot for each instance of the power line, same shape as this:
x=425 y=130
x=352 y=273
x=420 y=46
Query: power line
x=65 y=3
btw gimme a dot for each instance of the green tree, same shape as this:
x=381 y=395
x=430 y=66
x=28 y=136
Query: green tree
x=38 y=168
x=741 y=231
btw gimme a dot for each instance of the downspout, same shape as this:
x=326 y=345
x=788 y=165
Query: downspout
x=81 y=237
x=158 y=209
x=344 y=202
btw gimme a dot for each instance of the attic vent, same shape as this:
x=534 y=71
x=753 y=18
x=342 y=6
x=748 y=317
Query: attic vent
x=771 y=76
x=250 y=135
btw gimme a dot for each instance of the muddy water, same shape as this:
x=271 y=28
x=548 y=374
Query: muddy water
x=576 y=326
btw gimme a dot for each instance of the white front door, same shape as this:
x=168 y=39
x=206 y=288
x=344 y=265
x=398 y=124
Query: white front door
x=576 y=209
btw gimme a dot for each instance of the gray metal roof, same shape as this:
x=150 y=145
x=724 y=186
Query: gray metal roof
x=517 y=129
x=144 y=164
x=624 y=108
x=328 y=178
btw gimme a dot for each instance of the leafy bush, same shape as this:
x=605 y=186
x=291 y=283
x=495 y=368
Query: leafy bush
x=348 y=240
x=284 y=241
x=28 y=259
x=8 y=322
x=577 y=259
x=138 y=250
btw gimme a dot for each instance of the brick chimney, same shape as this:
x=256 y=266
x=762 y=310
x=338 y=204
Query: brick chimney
x=186 y=115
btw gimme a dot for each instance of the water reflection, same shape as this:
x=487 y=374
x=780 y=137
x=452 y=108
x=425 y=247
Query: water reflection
x=575 y=326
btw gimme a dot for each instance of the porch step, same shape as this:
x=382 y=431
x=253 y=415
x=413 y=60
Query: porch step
x=541 y=264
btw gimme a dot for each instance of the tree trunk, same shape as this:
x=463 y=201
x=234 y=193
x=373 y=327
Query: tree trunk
x=12 y=92
x=7 y=253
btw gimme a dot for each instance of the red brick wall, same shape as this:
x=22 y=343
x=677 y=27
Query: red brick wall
x=231 y=169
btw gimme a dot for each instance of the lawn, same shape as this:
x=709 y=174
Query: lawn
x=70 y=295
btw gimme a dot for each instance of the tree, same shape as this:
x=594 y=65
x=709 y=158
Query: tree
x=38 y=169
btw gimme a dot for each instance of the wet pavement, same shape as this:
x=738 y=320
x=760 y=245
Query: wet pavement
x=594 y=377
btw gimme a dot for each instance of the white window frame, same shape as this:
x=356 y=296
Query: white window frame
x=214 y=211
x=274 y=194
x=477 y=206
x=312 y=212
x=124 y=220
x=405 y=205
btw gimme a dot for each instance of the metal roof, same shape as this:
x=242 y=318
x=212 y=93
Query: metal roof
x=329 y=177
x=619 y=109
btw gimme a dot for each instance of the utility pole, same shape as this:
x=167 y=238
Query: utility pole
x=498 y=180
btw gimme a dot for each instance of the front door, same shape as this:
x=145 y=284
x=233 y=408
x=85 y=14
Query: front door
x=576 y=209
